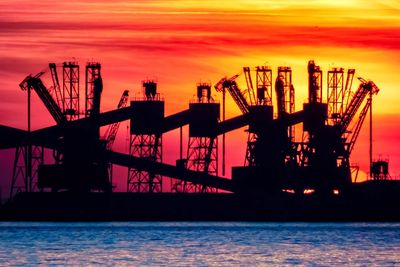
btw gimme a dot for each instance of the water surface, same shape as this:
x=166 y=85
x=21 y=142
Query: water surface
x=200 y=244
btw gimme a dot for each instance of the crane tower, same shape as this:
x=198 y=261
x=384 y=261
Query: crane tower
x=146 y=139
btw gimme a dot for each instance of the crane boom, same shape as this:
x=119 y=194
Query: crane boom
x=112 y=130
x=233 y=89
x=358 y=125
x=365 y=88
x=36 y=84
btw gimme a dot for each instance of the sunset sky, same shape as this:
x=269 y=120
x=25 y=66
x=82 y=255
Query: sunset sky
x=180 y=43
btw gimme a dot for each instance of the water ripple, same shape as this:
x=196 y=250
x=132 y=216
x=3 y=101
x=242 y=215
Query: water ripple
x=199 y=244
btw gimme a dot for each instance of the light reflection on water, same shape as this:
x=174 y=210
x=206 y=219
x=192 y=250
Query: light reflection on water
x=200 y=244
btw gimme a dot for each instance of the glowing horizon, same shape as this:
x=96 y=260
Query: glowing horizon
x=180 y=43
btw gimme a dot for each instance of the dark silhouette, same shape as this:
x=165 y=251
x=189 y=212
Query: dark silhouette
x=282 y=178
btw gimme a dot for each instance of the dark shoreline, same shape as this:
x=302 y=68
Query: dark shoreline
x=369 y=201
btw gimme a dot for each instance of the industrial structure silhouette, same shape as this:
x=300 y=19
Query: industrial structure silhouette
x=283 y=178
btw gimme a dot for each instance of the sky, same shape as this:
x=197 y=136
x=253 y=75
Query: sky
x=180 y=43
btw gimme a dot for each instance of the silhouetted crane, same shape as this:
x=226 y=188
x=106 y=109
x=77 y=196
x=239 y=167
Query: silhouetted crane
x=112 y=130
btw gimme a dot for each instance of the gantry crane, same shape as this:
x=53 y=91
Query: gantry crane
x=367 y=88
x=255 y=102
x=28 y=157
x=112 y=130
x=328 y=149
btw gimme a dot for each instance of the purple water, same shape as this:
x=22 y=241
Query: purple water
x=199 y=244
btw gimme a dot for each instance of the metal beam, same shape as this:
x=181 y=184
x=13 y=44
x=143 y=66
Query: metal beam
x=176 y=121
x=48 y=137
x=12 y=137
x=233 y=124
x=170 y=171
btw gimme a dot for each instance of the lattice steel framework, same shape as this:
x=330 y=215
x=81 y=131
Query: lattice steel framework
x=71 y=90
x=202 y=152
x=250 y=155
x=28 y=157
x=146 y=144
x=92 y=74
x=19 y=182
x=25 y=170
x=202 y=157
x=263 y=97
x=285 y=74
x=335 y=94
x=148 y=147
x=264 y=85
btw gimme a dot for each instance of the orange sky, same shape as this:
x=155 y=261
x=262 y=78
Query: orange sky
x=180 y=43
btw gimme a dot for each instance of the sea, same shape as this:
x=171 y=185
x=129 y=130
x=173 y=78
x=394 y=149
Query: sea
x=199 y=244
